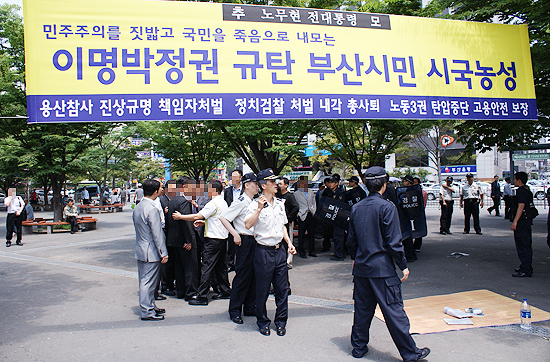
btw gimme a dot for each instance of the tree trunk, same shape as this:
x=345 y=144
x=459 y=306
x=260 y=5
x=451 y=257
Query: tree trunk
x=57 y=185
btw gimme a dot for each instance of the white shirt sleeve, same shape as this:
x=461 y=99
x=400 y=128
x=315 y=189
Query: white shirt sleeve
x=236 y=208
x=209 y=209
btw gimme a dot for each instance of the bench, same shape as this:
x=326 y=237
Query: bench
x=108 y=208
x=41 y=225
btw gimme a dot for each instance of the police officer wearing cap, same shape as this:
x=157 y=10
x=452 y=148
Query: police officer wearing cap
x=243 y=291
x=471 y=197
x=374 y=244
x=266 y=219
x=446 y=202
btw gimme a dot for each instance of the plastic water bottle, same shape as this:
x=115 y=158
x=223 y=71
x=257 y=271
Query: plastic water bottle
x=525 y=314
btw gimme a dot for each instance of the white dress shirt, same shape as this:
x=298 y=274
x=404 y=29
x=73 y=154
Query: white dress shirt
x=268 y=230
x=213 y=227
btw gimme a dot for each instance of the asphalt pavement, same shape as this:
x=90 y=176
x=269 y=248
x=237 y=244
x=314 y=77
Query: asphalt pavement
x=74 y=298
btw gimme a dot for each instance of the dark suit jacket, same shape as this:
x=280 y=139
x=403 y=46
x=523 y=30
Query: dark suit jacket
x=228 y=195
x=291 y=205
x=179 y=232
x=495 y=189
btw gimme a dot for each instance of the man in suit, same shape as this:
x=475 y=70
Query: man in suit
x=167 y=271
x=374 y=244
x=181 y=240
x=150 y=250
x=306 y=217
x=495 y=195
x=229 y=194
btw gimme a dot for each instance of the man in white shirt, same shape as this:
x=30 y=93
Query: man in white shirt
x=471 y=197
x=85 y=196
x=15 y=206
x=243 y=290
x=267 y=219
x=446 y=202
x=232 y=192
x=306 y=219
x=507 y=196
x=215 y=245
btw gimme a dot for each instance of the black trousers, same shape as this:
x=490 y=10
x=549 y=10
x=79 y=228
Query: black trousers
x=339 y=237
x=507 y=206
x=74 y=223
x=13 y=223
x=230 y=252
x=185 y=270
x=243 y=290
x=408 y=248
x=308 y=225
x=327 y=235
x=385 y=292
x=270 y=267
x=214 y=263
x=446 y=215
x=496 y=205
x=168 y=273
x=471 y=209
x=523 y=239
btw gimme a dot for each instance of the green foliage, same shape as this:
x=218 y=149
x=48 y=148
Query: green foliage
x=194 y=148
x=267 y=143
x=145 y=168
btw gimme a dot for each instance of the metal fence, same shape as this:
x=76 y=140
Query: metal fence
x=488 y=202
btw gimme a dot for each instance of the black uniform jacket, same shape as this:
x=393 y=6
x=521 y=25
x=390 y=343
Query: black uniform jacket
x=179 y=232
x=374 y=238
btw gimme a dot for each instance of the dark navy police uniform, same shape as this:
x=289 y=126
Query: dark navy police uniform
x=374 y=243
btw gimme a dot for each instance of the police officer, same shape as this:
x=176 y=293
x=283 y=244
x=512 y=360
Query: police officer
x=267 y=218
x=243 y=292
x=446 y=201
x=374 y=244
x=471 y=198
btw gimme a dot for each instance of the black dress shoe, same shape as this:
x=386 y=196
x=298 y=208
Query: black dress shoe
x=169 y=292
x=8 y=244
x=334 y=257
x=449 y=232
x=522 y=275
x=265 y=331
x=425 y=352
x=479 y=233
x=359 y=353
x=153 y=318
x=313 y=255
x=19 y=243
x=303 y=256
x=466 y=232
x=222 y=296
x=160 y=297
x=443 y=232
x=281 y=331
x=159 y=311
x=237 y=320
x=198 y=301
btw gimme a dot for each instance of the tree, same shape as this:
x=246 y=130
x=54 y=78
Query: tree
x=12 y=63
x=113 y=154
x=10 y=172
x=267 y=143
x=192 y=147
x=361 y=143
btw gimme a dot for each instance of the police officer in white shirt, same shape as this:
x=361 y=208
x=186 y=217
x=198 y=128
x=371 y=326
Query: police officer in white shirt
x=470 y=198
x=243 y=290
x=446 y=202
x=267 y=219
x=215 y=245
x=15 y=206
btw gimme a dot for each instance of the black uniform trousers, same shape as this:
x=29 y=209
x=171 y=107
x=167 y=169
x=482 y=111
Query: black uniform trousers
x=185 y=270
x=214 y=264
x=471 y=209
x=385 y=292
x=339 y=237
x=243 y=291
x=408 y=248
x=308 y=225
x=507 y=206
x=327 y=235
x=270 y=267
x=13 y=223
x=446 y=215
x=523 y=239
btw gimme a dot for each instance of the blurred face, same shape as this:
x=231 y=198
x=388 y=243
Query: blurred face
x=496 y=178
x=470 y=180
x=332 y=185
x=252 y=186
x=12 y=192
x=235 y=178
x=302 y=184
x=212 y=192
x=70 y=203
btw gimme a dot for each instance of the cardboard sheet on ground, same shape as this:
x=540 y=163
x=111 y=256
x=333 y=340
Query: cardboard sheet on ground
x=426 y=314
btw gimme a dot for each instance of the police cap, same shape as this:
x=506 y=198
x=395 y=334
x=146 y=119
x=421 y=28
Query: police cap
x=266 y=174
x=375 y=172
x=249 y=177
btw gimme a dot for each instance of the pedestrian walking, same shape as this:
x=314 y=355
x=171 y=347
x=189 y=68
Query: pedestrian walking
x=374 y=244
x=495 y=196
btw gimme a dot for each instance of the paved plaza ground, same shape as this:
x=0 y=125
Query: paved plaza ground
x=74 y=298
